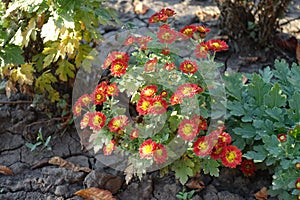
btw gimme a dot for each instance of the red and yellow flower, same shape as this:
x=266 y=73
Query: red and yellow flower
x=201 y=50
x=129 y=40
x=232 y=157
x=144 y=105
x=203 y=146
x=149 y=91
x=202 y=31
x=160 y=154
x=97 y=120
x=176 y=98
x=281 y=137
x=109 y=148
x=112 y=90
x=188 y=66
x=297 y=184
x=167 y=11
x=118 y=123
x=77 y=108
x=188 y=31
x=166 y=35
x=118 y=68
x=217 y=151
x=158 y=17
x=187 y=129
x=225 y=137
x=217 y=45
x=201 y=122
x=248 y=167
x=85 y=120
x=297 y=165
x=158 y=106
x=100 y=93
x=163 y=93
x=151 y=65
x=189 y=90
x=115 y=55
x=143 y=41
x=147 y=149
x=86 y=99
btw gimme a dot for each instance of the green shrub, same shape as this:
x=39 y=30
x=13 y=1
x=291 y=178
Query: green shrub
x=43 y=43
x=263 y=116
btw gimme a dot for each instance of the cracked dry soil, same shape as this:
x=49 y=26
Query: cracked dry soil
x=34 y=178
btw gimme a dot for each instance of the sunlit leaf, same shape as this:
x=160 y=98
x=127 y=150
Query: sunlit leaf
x=95 y=194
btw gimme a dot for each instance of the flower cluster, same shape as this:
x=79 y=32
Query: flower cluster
x=152 y=85
x=217 y=146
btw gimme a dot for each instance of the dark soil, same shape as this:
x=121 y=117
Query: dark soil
x=33 y=178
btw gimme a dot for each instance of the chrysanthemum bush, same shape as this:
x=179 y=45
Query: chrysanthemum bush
x=159 y=103
x=264 y=121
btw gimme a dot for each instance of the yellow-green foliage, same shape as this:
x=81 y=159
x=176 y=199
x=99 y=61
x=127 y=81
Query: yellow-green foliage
x=45 y=41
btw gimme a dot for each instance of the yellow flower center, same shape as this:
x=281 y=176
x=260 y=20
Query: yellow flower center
x=189 y=67
x=188 y=31
x=117 y=123
x=203 y=145
x=118 y=67
x=187 y=129
x=86 y=100
x=97 y=120
x=145 y=105
x=167 y=36
x=147 y=149
x=216 y=44
x=298 y=184
x=99 y=97
x=230 y=156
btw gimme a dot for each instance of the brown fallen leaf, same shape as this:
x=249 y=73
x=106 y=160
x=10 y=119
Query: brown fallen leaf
x=140 y=8
x=95 y=194
x=5 y=170
x=262 y=194
x=289 y=44
x=298 y=53
x=68 y=165
x=195 y=183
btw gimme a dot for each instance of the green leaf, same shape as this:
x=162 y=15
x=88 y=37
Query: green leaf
x=65 y=69
x=258 y=88
x=246 y=131
x=234 y=85
x=294 y=111
x=259 y=155
x=183 y=170
x=43 y=82
x=266 y=74
x=11 y=54
x=236 y=108
x=274 y=98
x=210 y=166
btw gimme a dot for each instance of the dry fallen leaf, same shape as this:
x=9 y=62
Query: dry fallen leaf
x=140 y=8
x=195 y=183
x=289 y=44
x=95 y=194
x=5 y=170
x=262 y=194
x=298 y=53
x=66 y=164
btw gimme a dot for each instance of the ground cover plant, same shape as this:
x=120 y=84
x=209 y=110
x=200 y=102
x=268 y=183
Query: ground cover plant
x=263 y=119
